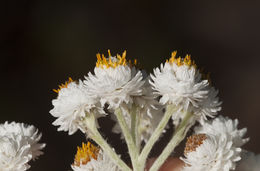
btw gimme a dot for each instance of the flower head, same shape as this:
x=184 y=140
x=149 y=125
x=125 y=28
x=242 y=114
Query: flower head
x=210 y=153
x=28 y=134
x=215 y=146
x=90 y=157
x=179 y=82
x=14 y=153
x=115 y=80
x=86 y=153
x=19 y=143
x=224 y=125
x=72 y=105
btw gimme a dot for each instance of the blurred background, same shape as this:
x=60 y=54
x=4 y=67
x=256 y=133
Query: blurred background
x=43 y=42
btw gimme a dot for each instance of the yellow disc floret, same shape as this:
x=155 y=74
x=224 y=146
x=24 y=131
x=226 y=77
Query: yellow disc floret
x=65 y=85
x=113 y=62
x=86 y=153
x=181 y=61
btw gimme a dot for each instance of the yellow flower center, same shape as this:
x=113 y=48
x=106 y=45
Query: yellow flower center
x=86 y=153
x=65 y=85
x=102 y=61
x=181 y=61
x=194 y=142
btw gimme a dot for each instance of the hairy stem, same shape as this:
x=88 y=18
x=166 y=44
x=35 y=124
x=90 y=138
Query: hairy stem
x=178 y=136
x=155 y=136
x=92 y=132
x=128 y=137
x=133 y=123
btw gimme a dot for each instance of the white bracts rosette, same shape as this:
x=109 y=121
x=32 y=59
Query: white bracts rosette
x=179 y=82
x=19 y=144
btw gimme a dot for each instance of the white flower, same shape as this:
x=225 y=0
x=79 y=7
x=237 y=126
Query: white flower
x=90 y=158
x=179 y=82
x=249 y=162
x=15 y=153
x=209 y=106
x=115 y=81
x=224 y=125
x=24 y=133
x=219 y=150
x=210 y=153
x=71 y=106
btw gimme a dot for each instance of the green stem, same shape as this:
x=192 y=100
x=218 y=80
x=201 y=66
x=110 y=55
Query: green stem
x=178 y=136
x=128 y=137
x=93 y=133
x=133 y=123
x=155 y=136
x=138 y=136
x=109 y=151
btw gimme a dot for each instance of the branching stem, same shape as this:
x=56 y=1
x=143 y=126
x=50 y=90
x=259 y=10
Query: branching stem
x=133 y=151
x=155 y=136
x=178 y=136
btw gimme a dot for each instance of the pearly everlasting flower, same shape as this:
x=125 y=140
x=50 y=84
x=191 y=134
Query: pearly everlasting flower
x=91 y=158
x=209 y=106
x=249 y=162
x=224 y=125
x=115 y=81
x=26 y=133
x=179 y=82
x=210 y=153
x=15 y=153
x=19 y=143
x=71 y=106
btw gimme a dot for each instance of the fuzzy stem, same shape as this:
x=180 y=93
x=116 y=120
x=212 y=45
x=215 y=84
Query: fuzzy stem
x=135 y=121
x=109 y=151
x=133 y=124
x=155 y=136
x=128 y=137
x=91 y=130
x=178 y=136
x=138 y=136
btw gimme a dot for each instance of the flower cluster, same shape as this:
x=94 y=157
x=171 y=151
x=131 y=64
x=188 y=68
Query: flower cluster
x=18 y=145
x=115 y=82
x=142 y=105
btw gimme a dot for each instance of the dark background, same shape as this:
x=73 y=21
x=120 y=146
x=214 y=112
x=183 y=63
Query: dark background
x=42 y=43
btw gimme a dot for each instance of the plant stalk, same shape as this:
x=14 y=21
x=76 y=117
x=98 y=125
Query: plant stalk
x=155 y=136
x=178 y=136
x=92 y=132
x=133 y=152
